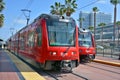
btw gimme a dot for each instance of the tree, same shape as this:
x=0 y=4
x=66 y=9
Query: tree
x=70 y=6
x=114 y=2
x=91 y=28
x=118 y=24
x=81 y=21
x=1 y=20
x=95 y=9
x=62 y=10
x=2 y=6
x=102 y=25
x=55 y=9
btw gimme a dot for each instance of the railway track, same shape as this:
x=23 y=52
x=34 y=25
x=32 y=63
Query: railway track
x=99 y=73
x=54 y=75
x=103 y=67
x=79 y=76
x=63 y=76
x=87 y=71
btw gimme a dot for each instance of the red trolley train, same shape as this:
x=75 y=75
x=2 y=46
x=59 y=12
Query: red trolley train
x=51 y=41
x=86 y=43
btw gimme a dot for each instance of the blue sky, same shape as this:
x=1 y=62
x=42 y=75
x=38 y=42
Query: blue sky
x=14 y=17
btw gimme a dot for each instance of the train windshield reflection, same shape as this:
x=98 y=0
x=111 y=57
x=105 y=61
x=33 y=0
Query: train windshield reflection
x=85 y=39
x=61 y=33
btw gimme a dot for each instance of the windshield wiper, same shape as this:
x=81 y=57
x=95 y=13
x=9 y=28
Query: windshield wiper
x=66 y=51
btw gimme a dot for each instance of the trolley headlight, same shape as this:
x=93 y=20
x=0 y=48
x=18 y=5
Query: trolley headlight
x=72 y=53
x=53 y=53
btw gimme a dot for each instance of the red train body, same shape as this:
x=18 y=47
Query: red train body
x=86 y=43
x=51 y=41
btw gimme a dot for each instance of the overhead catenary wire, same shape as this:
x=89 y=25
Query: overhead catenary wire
x=31 y=1
x=89 y=4
x=19 y=16
x=27 y=6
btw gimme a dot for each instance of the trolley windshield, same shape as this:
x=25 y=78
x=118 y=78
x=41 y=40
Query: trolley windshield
x=61 y=33
x=85 y=39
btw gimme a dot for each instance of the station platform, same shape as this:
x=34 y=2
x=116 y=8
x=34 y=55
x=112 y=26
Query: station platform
x=107 y=60
x=12 y=68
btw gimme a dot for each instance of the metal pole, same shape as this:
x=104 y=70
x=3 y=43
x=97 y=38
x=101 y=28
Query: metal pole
x=112 y=50
x=103 y=53
x=119 y=55
x=27 y=21
x=12 y=30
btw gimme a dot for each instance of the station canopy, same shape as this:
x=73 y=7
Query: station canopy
x=1 y=40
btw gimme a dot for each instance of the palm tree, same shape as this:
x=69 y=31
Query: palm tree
x=1 y=20
x=81 y=21
x=91 y=28
x=118 y=24
x=55 y=9
x=70 y=6
x=102 y=25
x=62 y=10
x=2 y=6
x=114 y=2
x=95 y=9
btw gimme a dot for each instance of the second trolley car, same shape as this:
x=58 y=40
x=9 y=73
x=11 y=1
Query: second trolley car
x=86 y=43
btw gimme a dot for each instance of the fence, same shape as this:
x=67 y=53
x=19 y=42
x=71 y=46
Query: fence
x=109 y=52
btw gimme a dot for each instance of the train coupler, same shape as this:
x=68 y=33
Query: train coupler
x=66 y=65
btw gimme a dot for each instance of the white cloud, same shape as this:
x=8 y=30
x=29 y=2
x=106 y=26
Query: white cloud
x=20 y=21
x=102 y=2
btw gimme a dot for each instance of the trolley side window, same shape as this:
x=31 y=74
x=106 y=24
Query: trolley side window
x=31 y=39
x=39 y=35
x=22 y=42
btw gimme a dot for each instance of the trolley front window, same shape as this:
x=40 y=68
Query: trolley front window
x=61 y=33
x=85 y=39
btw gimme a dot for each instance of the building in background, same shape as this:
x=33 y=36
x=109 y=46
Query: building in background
x=89 y=18
x=104 y=35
